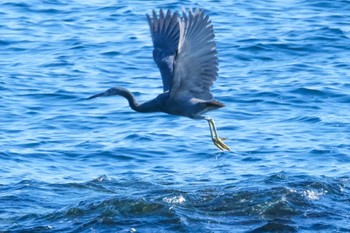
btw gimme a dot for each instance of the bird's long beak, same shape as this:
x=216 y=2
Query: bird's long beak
x=97 y=95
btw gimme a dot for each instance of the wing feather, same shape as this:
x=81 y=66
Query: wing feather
x=196 y=63
x=165 y=37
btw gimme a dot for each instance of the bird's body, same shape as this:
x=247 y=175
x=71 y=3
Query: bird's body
x=185 y=53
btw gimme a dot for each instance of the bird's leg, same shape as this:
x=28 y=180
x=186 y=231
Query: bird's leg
x=215 y=136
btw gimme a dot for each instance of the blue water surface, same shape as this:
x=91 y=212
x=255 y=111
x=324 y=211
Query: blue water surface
x=74 y=165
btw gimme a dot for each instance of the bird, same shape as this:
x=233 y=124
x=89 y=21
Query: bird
x=186 y=55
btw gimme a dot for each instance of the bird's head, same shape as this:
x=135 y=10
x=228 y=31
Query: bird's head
x=110 y=92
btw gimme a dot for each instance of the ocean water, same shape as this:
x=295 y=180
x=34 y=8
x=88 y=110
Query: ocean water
x=68 y=164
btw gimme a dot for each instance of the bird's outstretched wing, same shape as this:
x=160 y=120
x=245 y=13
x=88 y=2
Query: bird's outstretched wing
x=196 y=63
x=165 y=36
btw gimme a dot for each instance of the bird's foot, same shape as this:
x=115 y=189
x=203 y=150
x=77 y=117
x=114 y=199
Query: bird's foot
x=218 y=142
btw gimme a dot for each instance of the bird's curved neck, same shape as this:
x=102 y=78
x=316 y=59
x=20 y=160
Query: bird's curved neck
x=134 y=105
x=149 y=106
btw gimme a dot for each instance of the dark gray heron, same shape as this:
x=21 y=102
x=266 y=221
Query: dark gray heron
x=185 y=53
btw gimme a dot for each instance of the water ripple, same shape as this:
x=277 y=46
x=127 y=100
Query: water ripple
x=76 y=165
